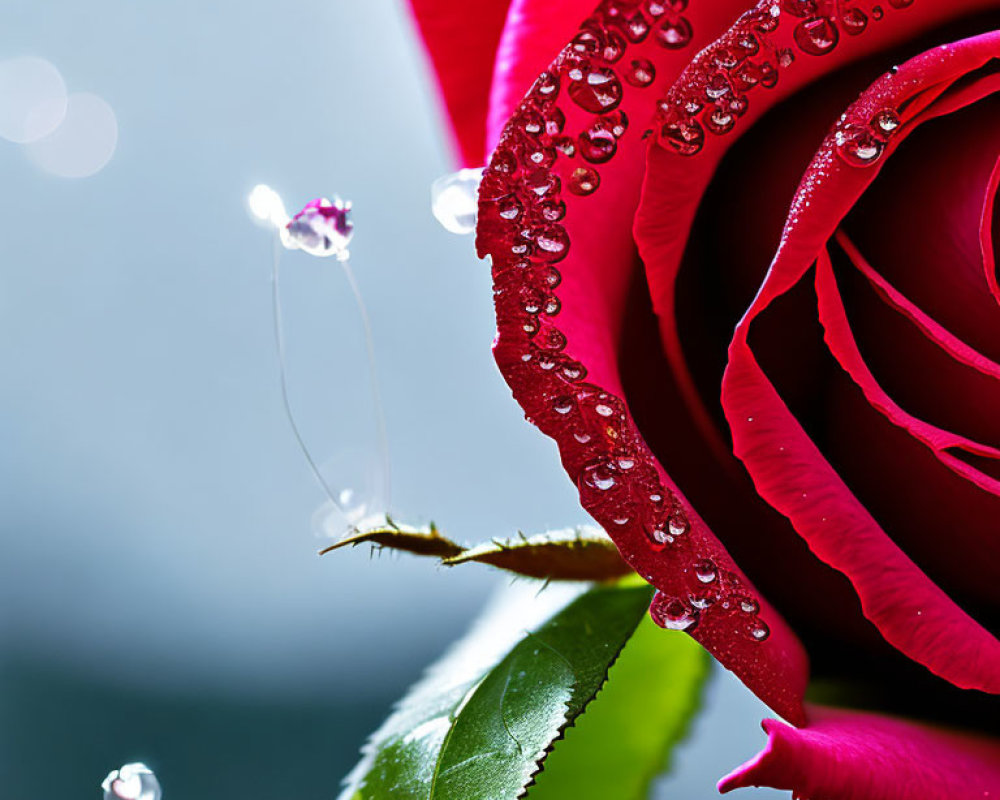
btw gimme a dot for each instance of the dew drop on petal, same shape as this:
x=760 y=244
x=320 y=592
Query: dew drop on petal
x=854 y=21
x=673 y=614
x=584 y=181
x=886 y=121
x=598 y=144
x=759 y=631
x=858 y=146
x=599 y=476
x=816 y=36
x=640 y=73
x=597 y=90
x=705 y=571
x=131 y=782
x=675 y=34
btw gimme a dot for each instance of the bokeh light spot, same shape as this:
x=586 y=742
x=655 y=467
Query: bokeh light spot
x=32 y=99
x=83 y=144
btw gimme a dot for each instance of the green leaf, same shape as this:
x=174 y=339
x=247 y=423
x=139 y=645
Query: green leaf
x=574 y=554
x=624 y=739
x=478 y=725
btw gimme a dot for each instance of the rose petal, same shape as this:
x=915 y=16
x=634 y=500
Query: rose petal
x=845 y=755
x=534 y=33
x=461 y=39
x=543 y=354
x=787 y=467
x=675 y=184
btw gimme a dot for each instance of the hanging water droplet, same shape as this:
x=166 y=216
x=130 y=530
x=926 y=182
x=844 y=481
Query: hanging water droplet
x=817 y=36
x=584 y=181
x=705 y=570
x=454 y=200
x=673 y=614
x=355 y=479
x=131 y=782
x=322 y=228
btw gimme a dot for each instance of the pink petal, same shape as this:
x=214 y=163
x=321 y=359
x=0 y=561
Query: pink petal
x=461 y=39
x=846 y=755
x=913 y=613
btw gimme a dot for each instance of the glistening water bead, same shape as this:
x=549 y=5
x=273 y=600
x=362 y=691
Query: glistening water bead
x=131 y=782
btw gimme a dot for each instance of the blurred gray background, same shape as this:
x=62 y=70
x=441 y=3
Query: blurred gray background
x=160 y=593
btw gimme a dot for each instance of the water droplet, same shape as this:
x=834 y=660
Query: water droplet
x=552 y=305
x=749 y=606
x=547 y=85
x=719 y=120
x=542 y=182
x=584 y=181
x=552 y=339
x=509 y=207
x=626 y=463
x=717 y=86
x=598 y=90
x=614 y=47
x=677 y=526
x=800 y=8
x=564 y=404
x=786 y=57
x=604 y=410
x=854 y=21
x=555 y=121
x=686 y=136
x=673 y=614
x=858 y=146
x=759 y=631
x=877 y=13
x=131 y=782
x=599 y=475
x=641 y=73
x=573 y=371
x=324 y=228
x=553 y=242
x=675 y=34
x=454 y=199
x=817 y=36
x=635 y=26
x=886 y=121
x=598 y=144
x=705 y=570
x=551 y=277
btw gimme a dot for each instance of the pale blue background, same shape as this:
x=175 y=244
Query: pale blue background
x=160 y=593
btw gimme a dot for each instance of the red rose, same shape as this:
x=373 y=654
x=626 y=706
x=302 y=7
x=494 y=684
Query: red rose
x=744 y=277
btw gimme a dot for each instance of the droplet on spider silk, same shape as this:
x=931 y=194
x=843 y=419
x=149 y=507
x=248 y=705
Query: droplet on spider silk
x=355 y=479
x=322 y=228
x=454 y=200
x=131 y=782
